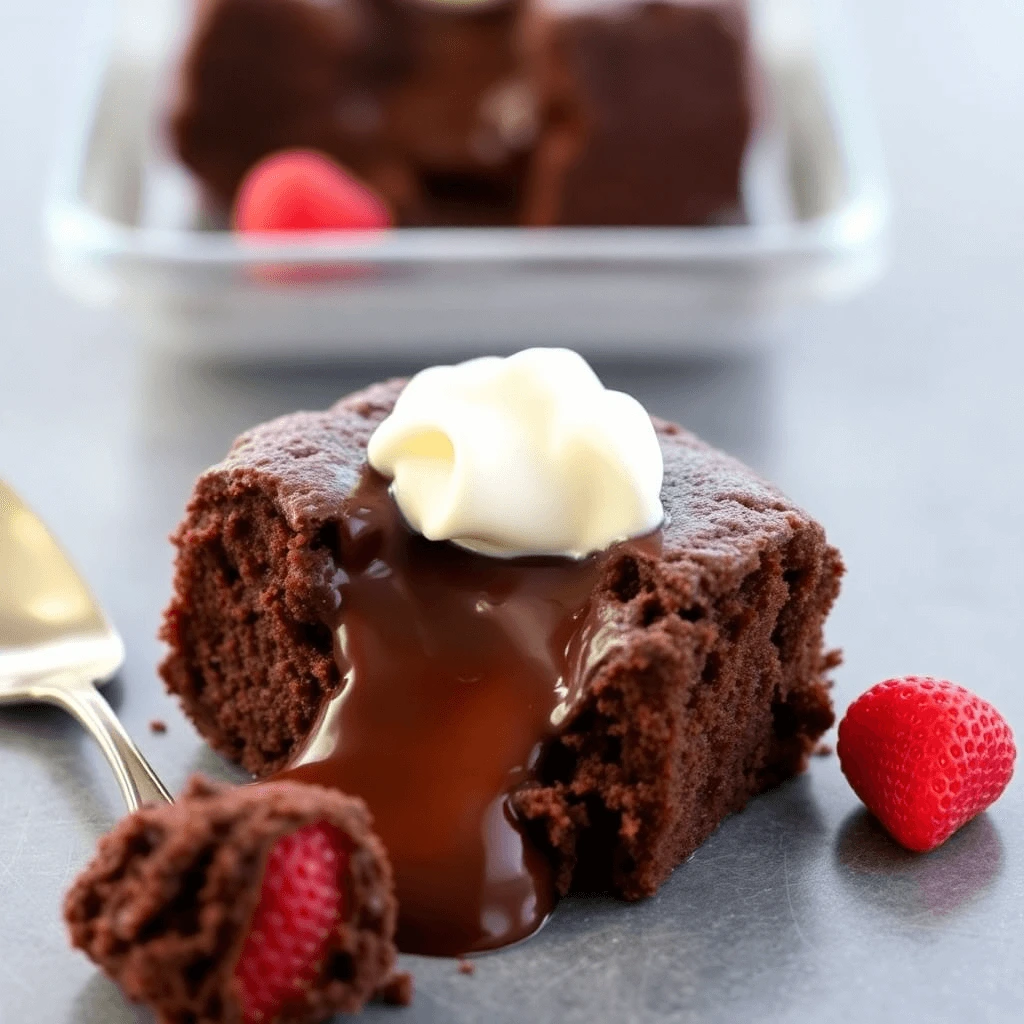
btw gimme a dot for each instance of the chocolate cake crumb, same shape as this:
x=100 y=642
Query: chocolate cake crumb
x=397 y=990
x=164 y=906
x=823 y=750
x=466 y=966
x=711 y=686
x=158 y=725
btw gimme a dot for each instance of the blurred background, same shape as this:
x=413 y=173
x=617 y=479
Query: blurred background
x=889 y=405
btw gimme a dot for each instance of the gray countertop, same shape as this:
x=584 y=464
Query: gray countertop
x=896 y=420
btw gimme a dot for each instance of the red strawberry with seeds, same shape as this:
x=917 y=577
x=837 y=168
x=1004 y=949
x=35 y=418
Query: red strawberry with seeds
x=301 y=901
x=302 y=190
x=925 y=756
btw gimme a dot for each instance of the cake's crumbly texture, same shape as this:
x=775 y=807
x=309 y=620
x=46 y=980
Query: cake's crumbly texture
x=165 y=905
x=713 y=685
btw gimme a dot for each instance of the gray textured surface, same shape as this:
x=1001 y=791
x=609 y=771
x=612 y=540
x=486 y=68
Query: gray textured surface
x=896 y=420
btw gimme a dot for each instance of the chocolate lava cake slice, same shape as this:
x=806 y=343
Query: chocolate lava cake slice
x=165 y=906
x=706 y=686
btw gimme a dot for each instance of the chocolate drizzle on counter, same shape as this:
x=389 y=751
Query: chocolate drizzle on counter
x=457 y=668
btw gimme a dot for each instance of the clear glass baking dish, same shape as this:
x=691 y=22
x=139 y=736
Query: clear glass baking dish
x=125 y=227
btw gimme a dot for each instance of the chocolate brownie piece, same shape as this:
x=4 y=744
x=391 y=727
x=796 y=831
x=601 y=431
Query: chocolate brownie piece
x=164 y=906
x=707 y=684
x=417 y=98
x=263 y=75
x=646 y=110
x=463 y=115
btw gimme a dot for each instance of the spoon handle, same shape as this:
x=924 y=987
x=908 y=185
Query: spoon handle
x=138 y=782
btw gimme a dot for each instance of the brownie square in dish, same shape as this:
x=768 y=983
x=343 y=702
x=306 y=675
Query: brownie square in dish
x=486 y=112
x=647 y=110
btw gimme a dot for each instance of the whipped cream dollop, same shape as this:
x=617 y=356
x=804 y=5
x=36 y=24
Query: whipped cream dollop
x=529 y=455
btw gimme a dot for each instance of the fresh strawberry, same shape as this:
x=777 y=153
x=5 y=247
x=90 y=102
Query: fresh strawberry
x=301 y=899
x=926 y=756
x=301 y=190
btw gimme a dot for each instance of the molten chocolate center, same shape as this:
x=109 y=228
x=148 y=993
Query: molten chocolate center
x=456 y=667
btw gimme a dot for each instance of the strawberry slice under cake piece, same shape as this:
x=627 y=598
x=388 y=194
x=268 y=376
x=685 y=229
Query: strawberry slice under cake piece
x=241 y=905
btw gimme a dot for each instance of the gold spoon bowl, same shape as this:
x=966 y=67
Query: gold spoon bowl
x=56 y=643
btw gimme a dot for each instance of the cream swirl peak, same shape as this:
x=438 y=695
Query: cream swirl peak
x=528 y=455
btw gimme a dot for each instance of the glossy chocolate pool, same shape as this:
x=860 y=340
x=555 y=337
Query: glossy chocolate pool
x=457 y=668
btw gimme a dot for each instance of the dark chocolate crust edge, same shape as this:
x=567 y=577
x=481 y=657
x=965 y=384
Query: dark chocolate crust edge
x=712 y=688
x=164 y=906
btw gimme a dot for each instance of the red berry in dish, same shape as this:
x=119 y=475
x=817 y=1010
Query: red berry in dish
x=300 y=190
x=925 y=756
x=300 y=902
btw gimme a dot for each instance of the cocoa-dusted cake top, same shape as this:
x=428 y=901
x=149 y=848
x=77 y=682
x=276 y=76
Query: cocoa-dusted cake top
x=716 y=511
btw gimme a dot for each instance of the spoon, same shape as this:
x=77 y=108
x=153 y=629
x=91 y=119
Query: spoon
x=56 y=644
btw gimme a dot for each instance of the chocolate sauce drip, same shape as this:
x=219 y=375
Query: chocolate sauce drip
x=457 y=668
